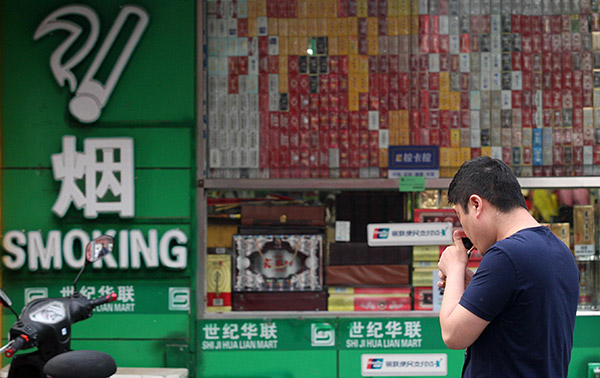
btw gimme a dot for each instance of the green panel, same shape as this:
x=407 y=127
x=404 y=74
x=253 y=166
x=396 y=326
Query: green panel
x=133 y=340
x=153 y=147
x=119 y=326
x=580 y=358
x=156 y=87
x=587 y=331
x=136 y=326
x=28 y=197
x=161 y=147
x=129 y=353
x=164 y=193
x=273 y=364
x=177 y=355
x=586 y=345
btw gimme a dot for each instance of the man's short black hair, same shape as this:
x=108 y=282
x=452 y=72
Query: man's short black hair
x=489 y=178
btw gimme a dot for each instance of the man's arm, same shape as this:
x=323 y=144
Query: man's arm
x=460 y=327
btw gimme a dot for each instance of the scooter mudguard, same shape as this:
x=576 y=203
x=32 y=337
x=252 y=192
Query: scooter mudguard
x=27 y=365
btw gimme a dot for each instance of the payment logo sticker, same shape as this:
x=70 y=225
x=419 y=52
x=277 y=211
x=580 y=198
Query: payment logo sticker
x=381 y=233
x=375 y=363
x=404 y=365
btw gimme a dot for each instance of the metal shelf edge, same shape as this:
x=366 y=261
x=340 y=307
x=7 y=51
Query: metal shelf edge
x=335 y=314
x=384 y=184
x=316 y=314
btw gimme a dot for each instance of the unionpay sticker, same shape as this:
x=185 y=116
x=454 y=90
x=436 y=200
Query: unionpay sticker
x=403 y=365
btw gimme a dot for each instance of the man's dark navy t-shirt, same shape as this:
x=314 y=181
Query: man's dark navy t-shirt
x=527 y=286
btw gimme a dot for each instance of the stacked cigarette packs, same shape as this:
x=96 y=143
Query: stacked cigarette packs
x=425 y=259
x=319 y=89
x=369 y=299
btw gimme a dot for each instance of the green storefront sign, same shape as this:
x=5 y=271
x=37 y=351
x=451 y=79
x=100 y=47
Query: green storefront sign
x=146 y=297
x=322 y=347
x=98 y=136
x=311 y=334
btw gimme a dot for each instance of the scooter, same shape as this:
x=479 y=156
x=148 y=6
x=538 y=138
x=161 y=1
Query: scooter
x=45 y=324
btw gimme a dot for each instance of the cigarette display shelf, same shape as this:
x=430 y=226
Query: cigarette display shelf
x=208 y=184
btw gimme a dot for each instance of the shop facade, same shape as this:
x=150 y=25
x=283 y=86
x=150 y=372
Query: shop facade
x=156 y=122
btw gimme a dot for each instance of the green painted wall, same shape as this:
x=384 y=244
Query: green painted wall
x=152 y=103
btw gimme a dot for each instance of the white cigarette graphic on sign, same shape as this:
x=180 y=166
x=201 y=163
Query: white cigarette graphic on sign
x=91 y=95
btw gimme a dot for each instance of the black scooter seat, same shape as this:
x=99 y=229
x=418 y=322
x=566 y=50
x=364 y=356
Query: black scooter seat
x=80 y=364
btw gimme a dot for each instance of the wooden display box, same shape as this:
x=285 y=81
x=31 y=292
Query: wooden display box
x=280 y=301
x=278 y=263
x=367 y=275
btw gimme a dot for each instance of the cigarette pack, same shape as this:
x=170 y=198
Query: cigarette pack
x=584 y=230
x=426 y=253
x=423 y=276
x=218 y=283
x=423 y=298
x=596 y=154
x=588 y=137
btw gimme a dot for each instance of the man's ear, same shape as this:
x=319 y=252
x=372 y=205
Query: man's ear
x=475 y=204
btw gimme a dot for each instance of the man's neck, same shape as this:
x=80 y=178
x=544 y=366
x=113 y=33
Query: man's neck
x=513 y=222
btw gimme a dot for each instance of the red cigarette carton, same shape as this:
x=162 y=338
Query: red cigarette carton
x=596 y=154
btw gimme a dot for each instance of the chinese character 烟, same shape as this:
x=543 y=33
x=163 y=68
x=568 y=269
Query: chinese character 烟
x=107 y=165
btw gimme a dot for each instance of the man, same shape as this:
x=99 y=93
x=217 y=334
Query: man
x=516 y=315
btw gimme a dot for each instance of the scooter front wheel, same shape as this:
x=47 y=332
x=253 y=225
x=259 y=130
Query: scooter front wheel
x=81 y=363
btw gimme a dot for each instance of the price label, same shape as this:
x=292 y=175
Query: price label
x=412 y=184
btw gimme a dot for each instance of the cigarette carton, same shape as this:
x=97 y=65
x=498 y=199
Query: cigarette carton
x=584 y=230
x=218 y=283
